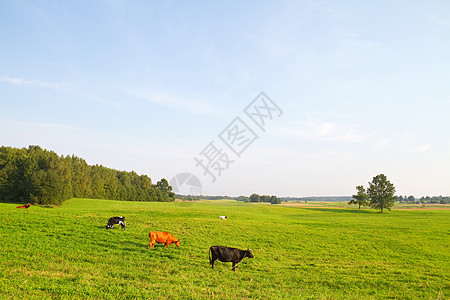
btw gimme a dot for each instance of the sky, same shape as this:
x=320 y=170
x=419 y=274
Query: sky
x=286 y=98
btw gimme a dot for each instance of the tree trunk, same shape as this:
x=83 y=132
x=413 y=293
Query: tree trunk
x=359 y=205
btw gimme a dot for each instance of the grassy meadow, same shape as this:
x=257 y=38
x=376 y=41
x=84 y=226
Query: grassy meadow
x=302 y=252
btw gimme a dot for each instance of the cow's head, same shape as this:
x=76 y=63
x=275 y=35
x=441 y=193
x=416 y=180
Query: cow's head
x=178 y=243
x=249 y=253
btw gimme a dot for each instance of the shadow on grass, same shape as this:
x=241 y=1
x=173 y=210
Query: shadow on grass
x=160 y=251
x=136 y=245
x=12 y=202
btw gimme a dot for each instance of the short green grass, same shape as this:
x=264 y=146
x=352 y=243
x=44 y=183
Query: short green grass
x=300 y=252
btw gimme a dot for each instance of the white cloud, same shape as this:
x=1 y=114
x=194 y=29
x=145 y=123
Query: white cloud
x=381 y=143
x=14 y=80
x=326 y=131
x=30 y=128
x=444 y=22
x=407 y=144
x=187 y=103
x=39 y=83
x=420 y=149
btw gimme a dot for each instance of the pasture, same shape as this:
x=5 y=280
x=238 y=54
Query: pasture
x=299 y=252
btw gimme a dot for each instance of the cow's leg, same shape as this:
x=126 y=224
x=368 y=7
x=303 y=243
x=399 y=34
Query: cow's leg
x=234 y=265
x=122 y=224
x=212 y=257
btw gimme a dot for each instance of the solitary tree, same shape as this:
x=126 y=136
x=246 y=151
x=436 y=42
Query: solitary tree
x=255 y=198
x=411 y=199
x=360 y=198
x=275 y=200
x=381 y=193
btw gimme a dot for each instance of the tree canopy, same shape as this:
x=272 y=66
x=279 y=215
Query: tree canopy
x=381 y=193
x=40 y=176
x=361 y=197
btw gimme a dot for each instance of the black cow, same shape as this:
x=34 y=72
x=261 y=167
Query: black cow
x=226 y=254
x=115 y=221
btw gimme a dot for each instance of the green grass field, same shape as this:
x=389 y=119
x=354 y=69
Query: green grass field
x=300 y=252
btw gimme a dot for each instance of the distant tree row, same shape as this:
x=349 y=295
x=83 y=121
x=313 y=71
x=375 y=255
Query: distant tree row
x=206 y=197
x=424 y=200
x=40 y=176
x=321 y=198
x=405 y=199
x=264 y=198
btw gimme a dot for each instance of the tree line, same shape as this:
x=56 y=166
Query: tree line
x=264 y=198
x=206 y=197
x=319 y=198
x=39 y=176
x=252 y=198
x=423 y=200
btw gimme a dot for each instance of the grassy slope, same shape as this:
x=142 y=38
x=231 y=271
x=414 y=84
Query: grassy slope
x=299 y=252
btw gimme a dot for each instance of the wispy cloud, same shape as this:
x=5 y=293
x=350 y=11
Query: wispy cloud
x=42 y=126
x=421 y=149
x=444 y=22
x=381 y=143
x=82 y=93
x=406 y=144
x=325 y=131
x=32 y=82
x=193 y=104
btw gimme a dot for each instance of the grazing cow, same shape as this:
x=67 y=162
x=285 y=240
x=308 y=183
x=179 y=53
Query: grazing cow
x=223 y=217
x=162 y=238
x=24 y=206
x=226 y=254
x=116 y=221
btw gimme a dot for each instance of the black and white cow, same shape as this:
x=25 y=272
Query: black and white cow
x=116 y=221
x=226 y=254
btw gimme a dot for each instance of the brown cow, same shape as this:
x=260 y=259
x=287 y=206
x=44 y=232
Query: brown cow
x=162 y=238
x=24 y=206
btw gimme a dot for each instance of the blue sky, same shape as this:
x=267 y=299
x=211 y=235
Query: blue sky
x=147 y=85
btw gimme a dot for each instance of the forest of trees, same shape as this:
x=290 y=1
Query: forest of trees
x=39 y=176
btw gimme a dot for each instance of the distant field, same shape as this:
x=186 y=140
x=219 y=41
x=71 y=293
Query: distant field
x=326 y=251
